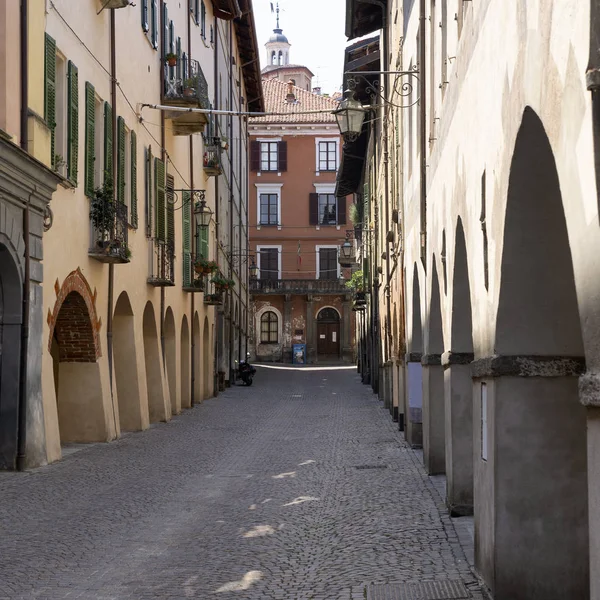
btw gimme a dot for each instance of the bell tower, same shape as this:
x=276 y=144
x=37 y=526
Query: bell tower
x=278 y=47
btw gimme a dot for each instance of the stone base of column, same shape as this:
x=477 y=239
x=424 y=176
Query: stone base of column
x=434 y=451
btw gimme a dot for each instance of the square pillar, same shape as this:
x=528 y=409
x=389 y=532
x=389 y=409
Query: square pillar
x=414 y=400
x=433 y=415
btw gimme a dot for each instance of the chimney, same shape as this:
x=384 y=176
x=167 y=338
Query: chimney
x=291 y=97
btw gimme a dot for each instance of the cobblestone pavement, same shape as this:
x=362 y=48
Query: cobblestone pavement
x=256 y=494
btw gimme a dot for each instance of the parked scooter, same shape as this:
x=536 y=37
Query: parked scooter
x=245 y=371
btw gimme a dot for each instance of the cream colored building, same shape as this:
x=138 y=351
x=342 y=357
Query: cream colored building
x=131 y=334
x=494 y=179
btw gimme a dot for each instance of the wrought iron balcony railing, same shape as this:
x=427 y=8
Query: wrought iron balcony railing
x=298 y=286
x=212 y=156
x=163 y=265
x=193 y=281
x=109 y=232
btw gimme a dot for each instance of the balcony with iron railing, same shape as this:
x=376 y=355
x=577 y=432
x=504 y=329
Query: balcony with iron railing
x=212 y=156
x=298 y=286
x=109 y=230
x=163 y=264
x=194 y=279
x=186 y=87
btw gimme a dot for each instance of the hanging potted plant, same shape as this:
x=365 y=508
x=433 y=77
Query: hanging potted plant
x=102 y=215
x=171 y=59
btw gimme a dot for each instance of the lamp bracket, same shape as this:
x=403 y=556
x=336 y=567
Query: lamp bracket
x=403 y=85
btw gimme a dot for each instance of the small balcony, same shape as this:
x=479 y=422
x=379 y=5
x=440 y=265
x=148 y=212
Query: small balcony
x=298 y=286
x=194 y=278
x=163 y=265
x=185 y=87
x=109 y=231
x=212 y=157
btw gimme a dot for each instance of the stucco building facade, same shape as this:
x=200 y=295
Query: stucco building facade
x=489 y=153
x=129 y=332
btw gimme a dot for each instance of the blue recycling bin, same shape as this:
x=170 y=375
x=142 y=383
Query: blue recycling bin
x=299 y=354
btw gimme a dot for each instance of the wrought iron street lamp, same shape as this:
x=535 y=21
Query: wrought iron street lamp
x=350 y=116
x=203 y=213
x=347 y=251
x=253 y=270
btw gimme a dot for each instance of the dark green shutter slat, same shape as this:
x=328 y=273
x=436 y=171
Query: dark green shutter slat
x=134 y=207
x=159 y=181
x=108 y=143
x=121 y=160
x=50 y=93
x=165 y=30
x=73 y=123
x=148 y=190
x=204 y=242
x=154 y=23
x=144 y=5
x=187 y=242
x=90 y=137
x=170 y=210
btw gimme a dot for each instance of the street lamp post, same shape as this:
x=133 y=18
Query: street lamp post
x=350 y=116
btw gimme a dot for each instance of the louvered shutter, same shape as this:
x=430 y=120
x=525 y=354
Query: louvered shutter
x=148 y=190
x=134 y=207
x=255 y=156
x=108 y=143
x=72 y=122
x=313 y=209
x=178 y=52
x=203 y=243
x=165 y=29
x=144 y=5
x=159 y=182
x=154 y=23
x=282 y=156
x=90 y=138
x=121 y=160
x=187 y=242
x=341 y=211
x=50 y=93
x=171 y=211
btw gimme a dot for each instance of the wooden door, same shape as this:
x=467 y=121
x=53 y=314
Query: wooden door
x=328 y=339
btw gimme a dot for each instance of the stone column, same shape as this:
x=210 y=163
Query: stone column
x=433 y=414
x=414 y=400
x=346 y=333
x=287 y=329
x=531 y=488
x=310 y=331
x=458 y=400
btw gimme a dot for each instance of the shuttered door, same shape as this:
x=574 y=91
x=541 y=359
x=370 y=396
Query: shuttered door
x=72 y=122
x=187 y=241
x=328 y=263
x=269 y=263
x=121 y=160
x=90 y=138
x=134 y=207
x=108 y=144
x=50 y=93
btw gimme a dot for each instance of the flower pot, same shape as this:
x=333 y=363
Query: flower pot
x=188 y=92
x=172 y=62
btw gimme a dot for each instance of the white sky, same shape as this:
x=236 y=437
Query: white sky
x=315 y=29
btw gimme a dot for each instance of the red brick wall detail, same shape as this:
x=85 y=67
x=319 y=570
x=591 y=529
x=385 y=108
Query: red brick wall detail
x=74 y=320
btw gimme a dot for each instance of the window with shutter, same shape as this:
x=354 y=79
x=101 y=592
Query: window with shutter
x=134 y=207
x=313 y=209
x=165 y=30
x=203 y=243
x=73 y=123
x=154 y=15
x=255 y=156
x=50 y=92
x=327 y=209
x=269 y=263
x=159 y=190
x=203 y=20
x=187 y=241
x=144 y=5
x=121 y=160
x=268 y=156
x=328 y=267
x=282 y=157
x=108 y=144
x=148 y=191
x=170 y=211
x=90 y=142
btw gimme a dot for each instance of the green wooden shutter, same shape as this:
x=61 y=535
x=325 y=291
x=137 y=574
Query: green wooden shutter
x=108 y=143
x=121 y=160
x=203 y=242
x=154 y=24
x=73 y=123
x=187 y=242
x=50 y=93
x=134 y=207
x=159 y=184
x=165 y=30
x=90 y=137
x=171 y=211
x=148 y=190
x=144 y=5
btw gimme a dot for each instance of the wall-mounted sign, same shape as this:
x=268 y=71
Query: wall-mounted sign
x=334 y=336
x=322 y=336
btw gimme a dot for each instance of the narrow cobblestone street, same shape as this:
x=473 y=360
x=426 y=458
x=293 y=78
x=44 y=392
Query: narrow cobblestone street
x=299 y=487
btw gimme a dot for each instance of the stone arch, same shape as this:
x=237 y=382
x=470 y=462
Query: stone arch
x=416 y=332
x=531 y=461
x=133 y=415
x=326 y=313
x=11 y=297
x=461 y=327
x=186 y=397
x=206 y=371
x=197 y=359
x=170 y=359
x=157 y=407
x=85 y=310
x=260 y=313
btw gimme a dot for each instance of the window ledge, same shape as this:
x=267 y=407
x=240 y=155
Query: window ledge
x=65 y=183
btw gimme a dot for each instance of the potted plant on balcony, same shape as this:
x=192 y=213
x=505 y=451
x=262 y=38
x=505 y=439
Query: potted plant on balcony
x=171 y=59
x=190 y=86
x=202 y=266
x=102 y=215
x=221 y=282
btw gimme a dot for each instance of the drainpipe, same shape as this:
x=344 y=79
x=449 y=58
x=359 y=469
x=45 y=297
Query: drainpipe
x=22 y=417
x=241 y=270
x=193 y=296
x=111 y=267
x=423 y=126
x=247 y=190
x=164 y=159
x=217 y=203
x=231 y=203
x=24 y=35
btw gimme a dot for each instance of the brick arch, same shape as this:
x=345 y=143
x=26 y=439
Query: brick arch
x=74 y=320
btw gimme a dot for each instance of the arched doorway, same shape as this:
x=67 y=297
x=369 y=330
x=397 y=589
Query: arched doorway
x=133 y=416
x=186 y=397
x=328 y=334
x=531 y=492
x=171 y=360
x=206 y=370
x=157 y=407
x=197 y=361
x=11 y=294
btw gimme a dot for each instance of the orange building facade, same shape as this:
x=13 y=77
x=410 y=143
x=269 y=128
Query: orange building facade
x=302 y=309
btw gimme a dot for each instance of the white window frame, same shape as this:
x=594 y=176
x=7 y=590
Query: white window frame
x=263 y=141
x=267 y=247
x=327 y=188
x=318 y=255
x=268 y=188
x=337 y=153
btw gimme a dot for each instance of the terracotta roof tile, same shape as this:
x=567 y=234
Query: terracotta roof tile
x=275 y=92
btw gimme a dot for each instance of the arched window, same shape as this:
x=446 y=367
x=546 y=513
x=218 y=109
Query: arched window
x=280 y=57
x=268 y=328
x=329 y=315
x=274 y=58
